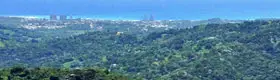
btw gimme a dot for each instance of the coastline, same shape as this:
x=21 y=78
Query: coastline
x=127 y=18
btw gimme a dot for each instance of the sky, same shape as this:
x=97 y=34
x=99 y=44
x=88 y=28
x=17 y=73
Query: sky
x=135 y=9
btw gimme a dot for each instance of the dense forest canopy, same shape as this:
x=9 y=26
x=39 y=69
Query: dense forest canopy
x=247 y=50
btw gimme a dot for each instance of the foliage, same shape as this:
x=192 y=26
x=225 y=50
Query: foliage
x=248 y=50
x=20 y=73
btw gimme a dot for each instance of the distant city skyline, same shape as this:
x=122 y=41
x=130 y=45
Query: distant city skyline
x=135 y=9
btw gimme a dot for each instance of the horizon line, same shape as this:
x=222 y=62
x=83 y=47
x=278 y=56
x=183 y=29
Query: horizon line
x=119 y=18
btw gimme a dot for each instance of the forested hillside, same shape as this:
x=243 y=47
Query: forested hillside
x=248 y=50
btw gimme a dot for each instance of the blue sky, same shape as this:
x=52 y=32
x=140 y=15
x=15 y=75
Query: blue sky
x=161 y=9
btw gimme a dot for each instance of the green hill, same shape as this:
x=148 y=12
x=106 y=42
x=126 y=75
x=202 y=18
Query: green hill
x=248 y=50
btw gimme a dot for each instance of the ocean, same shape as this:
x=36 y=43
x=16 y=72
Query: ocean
x=137 y=9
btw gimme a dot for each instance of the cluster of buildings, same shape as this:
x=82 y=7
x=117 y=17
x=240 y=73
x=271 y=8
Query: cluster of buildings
x=54 y=22
x=148 y=18
x=61 y=21
x=60 y=17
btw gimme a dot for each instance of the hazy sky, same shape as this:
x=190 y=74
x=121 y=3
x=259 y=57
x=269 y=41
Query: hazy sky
x=187 y=9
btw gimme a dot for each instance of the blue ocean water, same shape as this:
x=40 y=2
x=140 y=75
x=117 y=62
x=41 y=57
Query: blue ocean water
x=137 y=9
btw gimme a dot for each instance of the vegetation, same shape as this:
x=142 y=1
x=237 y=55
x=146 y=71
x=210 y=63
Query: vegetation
x=248 y=50
x=19 y=73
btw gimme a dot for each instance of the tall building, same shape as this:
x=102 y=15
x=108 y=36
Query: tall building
x=53 y=17
x=148 y=18
x=62 y=17
x=145 y=18
x=71 y=17
x=151 y=18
